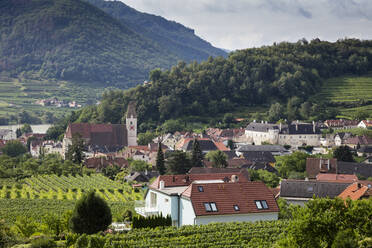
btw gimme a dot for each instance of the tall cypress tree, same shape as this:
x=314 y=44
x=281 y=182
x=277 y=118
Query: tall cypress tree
x=160 y=160
x=197 y=155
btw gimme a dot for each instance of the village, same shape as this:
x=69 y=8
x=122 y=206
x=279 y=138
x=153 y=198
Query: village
x=222 y=187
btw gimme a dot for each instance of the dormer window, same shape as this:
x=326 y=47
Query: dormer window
x=210 y=207
x=236 y=208
x=200 y=189
x=262 y=204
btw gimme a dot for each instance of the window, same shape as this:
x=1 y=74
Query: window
x=258 y=204
x=200 y=189
x=153 y=200
x=210 y=207
x=262 y=204
x=310 y=189
x=207 y=207
x=236 y=208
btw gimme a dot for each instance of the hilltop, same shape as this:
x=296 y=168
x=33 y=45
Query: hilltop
x=75 y=41
x=170 y=35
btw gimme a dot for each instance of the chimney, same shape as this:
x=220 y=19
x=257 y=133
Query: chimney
x=280 y=126
x=262 y=121
x=254 y=121
x=161 y=184
x=297 y=125
x=234 y=178
x=359 y=185
x=313 y=126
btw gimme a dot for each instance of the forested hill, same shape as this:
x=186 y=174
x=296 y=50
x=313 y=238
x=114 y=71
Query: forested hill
x=283 y=75
x=170 y=35
x=74 y=40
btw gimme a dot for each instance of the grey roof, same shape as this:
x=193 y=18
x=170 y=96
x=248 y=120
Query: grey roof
x=131 y=110
x=262 y=166
x=5 y=131
x=343 y=135
x=365 y=149
x=261 y=148
x=302 y=128
x=259 y=156
x=261 y=127
x=361 y=169
x=306 y=189
x=205 y=145
x=230 y=154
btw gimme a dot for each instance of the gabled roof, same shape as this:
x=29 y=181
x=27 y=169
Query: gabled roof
x=261 y=127
x=335 y=177
x=300 y=128
x=131 y=111
x=99 y=134
x=361 y=140
x=356 y=191
x=239 y=163
x=226 y=195
x=316 y=165
x=259 y=156
x=307 y=189
x=186 y=180
x=362 y=169
x=261 y=148
x=206 y=144
x=365 y=149
x=341 y=123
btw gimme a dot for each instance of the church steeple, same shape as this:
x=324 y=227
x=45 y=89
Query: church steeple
x=131 y=124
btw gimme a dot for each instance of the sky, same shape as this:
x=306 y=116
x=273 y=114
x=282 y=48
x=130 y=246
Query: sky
x=239 y=24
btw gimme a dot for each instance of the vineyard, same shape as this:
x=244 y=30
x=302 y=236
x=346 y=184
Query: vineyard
x=40 y=195
x=69 y=188
x=243 y=234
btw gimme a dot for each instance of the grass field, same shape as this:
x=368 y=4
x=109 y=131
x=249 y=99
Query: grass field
x=36 y=196
x=17 y=94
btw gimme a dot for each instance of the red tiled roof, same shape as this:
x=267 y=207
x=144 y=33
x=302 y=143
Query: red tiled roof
x=335 y=177
x=185 y=180
x=361 y=140
x=226 y=195
x=341 y=123
x=354 y=191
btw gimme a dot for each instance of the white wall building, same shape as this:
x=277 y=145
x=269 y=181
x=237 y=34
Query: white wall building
x=295 y=135
x=198 y=199
x=7 y=134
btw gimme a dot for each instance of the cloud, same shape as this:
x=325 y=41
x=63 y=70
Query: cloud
x=237 y=24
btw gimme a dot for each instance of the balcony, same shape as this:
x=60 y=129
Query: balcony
x=141 y=209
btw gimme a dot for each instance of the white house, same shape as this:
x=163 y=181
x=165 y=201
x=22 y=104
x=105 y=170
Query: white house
x=295 y=134
x=7 y=134
x=365 y=124
x=197 y=199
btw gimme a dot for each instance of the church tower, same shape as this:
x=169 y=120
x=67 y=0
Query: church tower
x=131 y=124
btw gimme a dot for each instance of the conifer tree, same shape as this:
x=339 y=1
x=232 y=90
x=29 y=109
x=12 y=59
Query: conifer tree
x=197 y=155
x=160 y=165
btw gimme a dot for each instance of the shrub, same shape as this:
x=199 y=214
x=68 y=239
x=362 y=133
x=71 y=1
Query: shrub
x=43 y=242
x=91 y=215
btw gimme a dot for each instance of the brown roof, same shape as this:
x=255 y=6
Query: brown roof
x=356 y=191
x=361 y=140
x=226 y=195
x=316 y=165
x=99 y=134
x=239 y=162
x=99 y=163
x=341 y=123
x=335 y=177
x=186 y=180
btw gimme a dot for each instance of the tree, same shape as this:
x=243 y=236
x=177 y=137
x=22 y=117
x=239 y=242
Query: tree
x=197 y=155
x=296 y=162
x=14 y=148
x=160 y=165
x=26 y=128
x=75 y=150
x=178 y=163
x=276 y=112
x=18 y=132
x=138 y=165
x=218 y=159
x=270 y=179
x=145 y=138
x=230 y=144
x=343 y=153
x=91 y=215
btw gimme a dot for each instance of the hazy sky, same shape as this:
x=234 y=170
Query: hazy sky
x=237 y=24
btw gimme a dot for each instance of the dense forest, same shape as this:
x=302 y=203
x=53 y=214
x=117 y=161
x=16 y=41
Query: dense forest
x=283 y=77
x=76 y=41
x=170 y=35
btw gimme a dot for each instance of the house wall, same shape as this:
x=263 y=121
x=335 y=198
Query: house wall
x=203 y=220
x=259 y=137
x=296 y=201
x=296 y=140
x=187 y=215
x=165 y=204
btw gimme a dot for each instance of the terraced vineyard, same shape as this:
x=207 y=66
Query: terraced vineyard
x=69 y=188
x=347 y=89
x=242 y=234
x=40 y=195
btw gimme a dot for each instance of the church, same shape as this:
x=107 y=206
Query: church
x=104 y=138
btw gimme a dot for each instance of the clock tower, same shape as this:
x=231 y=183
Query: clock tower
x=131 y=124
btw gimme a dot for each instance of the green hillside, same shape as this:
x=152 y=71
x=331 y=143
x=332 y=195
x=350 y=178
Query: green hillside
x=283 y=78
x=73 y=40
x=170 y=35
